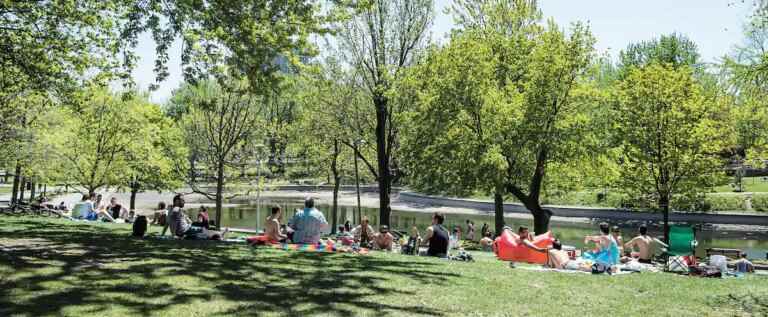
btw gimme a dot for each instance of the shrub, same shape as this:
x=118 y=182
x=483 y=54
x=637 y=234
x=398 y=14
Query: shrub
x=760 y=202
x=726 y=202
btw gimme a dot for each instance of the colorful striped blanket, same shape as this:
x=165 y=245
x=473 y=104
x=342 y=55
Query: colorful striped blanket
x=330 y=248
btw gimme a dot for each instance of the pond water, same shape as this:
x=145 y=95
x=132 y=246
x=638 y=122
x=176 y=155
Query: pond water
x=253 y=217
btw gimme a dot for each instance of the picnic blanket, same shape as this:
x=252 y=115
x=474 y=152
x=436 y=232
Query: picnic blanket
x=546 y=269
x=327 y=248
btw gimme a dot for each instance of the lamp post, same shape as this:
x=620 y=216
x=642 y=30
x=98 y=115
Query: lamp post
x=258 y=182
x=358 y=142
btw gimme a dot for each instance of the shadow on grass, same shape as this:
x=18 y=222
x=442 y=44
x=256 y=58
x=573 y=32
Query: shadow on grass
x=58 y=266
x=752 y=304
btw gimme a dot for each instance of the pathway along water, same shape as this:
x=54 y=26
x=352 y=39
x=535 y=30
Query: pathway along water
x=249 y=217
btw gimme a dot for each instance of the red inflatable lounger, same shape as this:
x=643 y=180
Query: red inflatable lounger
x=508 y=248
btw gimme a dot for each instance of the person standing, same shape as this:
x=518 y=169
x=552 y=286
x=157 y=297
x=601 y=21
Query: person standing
x=484 y=229
x=470 y=230
x=308 y=224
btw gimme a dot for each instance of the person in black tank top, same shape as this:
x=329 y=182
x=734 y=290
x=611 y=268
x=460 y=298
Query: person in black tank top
x=437 y=236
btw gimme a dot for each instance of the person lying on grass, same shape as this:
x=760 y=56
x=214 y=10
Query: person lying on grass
x=181 y=225
x=643 y=244
x=383 y=240
x=525 y=238
x=557 y=258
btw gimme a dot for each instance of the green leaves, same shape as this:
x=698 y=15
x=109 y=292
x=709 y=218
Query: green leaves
x=669 y=132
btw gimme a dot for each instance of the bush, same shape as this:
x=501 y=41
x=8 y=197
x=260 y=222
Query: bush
x=760 y=202
x=726 y=202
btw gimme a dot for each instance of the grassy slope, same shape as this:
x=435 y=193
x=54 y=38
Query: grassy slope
x=54 y=267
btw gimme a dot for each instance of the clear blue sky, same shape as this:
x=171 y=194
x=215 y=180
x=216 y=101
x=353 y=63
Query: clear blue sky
x=715 y=25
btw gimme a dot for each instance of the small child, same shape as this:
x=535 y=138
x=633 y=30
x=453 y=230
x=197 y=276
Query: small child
x=131 y=216
x=412 y=245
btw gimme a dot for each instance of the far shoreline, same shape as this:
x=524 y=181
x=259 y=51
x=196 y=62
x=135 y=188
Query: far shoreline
x=146 y=202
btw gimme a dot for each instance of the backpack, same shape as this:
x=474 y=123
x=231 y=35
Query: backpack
x=140 y=226
x=600 y=268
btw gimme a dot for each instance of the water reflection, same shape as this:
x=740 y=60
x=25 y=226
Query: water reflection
x=253 y=216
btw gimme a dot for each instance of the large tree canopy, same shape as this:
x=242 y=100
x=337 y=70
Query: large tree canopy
x=494 y=127
x=669 y=133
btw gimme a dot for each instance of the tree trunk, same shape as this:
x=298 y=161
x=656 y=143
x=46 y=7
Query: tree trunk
x=359 y=215
x=16 y=184
x=383 y=159
x=32 y=191
x=23 y=188
x=45 y=189
x=664 y=204
x=134 y=191
x=540 y=215
x=219 y=192
x=541 y=220
x=498 y=206
x=336 y=181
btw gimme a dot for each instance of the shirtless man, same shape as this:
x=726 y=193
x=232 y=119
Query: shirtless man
x=273 y=232
x=525 y=238
x=557 y=259
x=643 y=243
x=383 y=240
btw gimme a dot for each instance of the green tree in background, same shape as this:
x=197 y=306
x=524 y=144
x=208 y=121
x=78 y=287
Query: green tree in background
x=101 y=136
x=157 y=154
x=675 y=49
x=670 y=134
x=335 y=117
x=496 y=109
x=221 y=125
x=381 y=40
x=745 y=73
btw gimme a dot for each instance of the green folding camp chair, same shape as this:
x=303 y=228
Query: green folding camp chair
x=682 y=242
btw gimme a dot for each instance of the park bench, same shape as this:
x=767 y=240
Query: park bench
x=728 y=253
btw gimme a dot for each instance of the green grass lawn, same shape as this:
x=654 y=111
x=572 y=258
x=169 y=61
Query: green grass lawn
x=55 y=267
x=751 y=184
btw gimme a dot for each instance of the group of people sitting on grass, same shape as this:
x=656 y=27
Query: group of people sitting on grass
x=182 y=226
x=607 y=248
x=91 y=208
x=307 y=226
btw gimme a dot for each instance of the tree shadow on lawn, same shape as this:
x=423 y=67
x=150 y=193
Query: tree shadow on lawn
x=752 y=304
x=61 y=266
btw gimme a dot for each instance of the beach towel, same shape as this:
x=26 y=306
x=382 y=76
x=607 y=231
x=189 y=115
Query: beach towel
x=327 y=248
